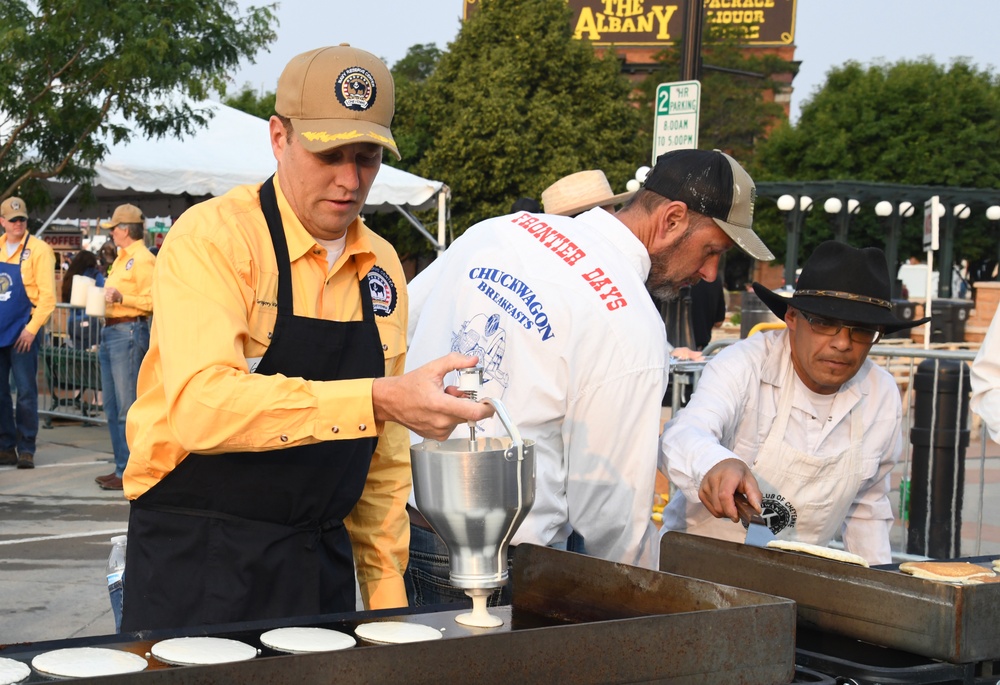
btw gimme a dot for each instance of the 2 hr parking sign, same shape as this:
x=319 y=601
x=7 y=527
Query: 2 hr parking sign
x=675 y=124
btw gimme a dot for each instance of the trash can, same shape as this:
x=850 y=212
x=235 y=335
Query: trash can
x=940 y=437
x=752 y=312
x=948 y=319
x=905 y=311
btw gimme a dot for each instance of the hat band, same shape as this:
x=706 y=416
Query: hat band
x=846 y=296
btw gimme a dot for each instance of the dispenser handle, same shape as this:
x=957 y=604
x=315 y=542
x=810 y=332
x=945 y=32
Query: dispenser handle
x=512 y=431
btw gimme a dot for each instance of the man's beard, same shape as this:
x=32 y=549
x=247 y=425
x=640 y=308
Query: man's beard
x=661 y=282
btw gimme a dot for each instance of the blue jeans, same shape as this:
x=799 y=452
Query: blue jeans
x=19 y=423
x=426 y=576
x=122 y=348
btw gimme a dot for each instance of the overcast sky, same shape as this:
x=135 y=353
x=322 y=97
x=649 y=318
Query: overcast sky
x=827 y=33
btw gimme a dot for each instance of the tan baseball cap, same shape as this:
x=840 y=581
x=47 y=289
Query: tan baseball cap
x=13 y=208
x=337 y=96
x=125 y=214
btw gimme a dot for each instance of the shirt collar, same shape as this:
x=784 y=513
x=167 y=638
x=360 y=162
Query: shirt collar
x=300 y=242
x=620 y=237
x=130 y=249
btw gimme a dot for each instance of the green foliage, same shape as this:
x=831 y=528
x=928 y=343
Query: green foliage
x=910 y=122
x=913 y=122
x=72 y=69
x=248 y=100
x=515 y=104
x=410 y=130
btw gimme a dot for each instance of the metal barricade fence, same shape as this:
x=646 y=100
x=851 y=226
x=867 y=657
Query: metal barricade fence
x=70 y=369
x=902 y=363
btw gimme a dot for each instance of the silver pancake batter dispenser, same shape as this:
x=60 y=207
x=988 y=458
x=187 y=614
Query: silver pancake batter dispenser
x=474 y=493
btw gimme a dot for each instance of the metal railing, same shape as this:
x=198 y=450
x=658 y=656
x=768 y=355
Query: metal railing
x=70 y=371
x=902 y=362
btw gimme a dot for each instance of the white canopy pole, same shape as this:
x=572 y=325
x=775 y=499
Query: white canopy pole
x=442 y=217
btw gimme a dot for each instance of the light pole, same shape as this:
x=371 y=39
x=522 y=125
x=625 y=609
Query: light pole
x=795 y=208
x=835 y=207
x=993 y=214
x=959 y=211
x=894 y=221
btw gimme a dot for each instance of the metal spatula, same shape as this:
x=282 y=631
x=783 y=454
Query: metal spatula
x=758 y=534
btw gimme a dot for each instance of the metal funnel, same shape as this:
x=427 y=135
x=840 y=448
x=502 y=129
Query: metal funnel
x=475 y=494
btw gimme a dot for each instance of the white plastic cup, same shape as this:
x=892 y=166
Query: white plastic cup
x=78 y=296
x=95 y=301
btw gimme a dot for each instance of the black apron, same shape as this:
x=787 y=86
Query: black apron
x=258 y=535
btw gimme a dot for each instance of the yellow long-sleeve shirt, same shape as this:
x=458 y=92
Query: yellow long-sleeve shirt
x=215 y=299
x=132 y=275
x=38 y=271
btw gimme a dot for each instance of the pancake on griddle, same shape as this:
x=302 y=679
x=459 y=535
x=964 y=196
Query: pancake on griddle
x=946 y=571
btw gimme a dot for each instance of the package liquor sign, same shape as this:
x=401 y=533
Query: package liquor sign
x=640 y=23
x=675 y=123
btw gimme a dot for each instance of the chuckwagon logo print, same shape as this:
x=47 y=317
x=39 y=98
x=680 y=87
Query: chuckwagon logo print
x=484 y=337
x=383 y=291
x=356 y=89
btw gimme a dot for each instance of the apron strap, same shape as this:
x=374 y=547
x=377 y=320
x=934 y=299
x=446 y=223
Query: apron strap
x=269 y=206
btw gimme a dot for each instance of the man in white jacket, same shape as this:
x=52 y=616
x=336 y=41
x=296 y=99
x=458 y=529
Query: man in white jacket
x=558 y=310
x=985 y=379
x=798 y=420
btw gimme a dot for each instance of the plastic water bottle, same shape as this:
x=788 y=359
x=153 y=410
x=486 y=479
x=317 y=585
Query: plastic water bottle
x=116 y=572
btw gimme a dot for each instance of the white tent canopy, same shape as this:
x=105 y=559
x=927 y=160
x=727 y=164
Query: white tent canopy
x=165 y=176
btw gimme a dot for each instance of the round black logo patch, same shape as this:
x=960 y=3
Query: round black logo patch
x=356 y=89
x=383 y=291
x=778 y=512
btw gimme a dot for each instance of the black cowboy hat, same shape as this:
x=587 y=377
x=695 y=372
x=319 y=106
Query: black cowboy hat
x=843 y=283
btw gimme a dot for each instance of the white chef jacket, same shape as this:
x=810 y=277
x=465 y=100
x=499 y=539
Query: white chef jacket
x=730 y=415
x=558 y=313
x=985 y=379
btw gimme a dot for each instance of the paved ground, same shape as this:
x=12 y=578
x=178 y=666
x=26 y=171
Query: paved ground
x=55 y=525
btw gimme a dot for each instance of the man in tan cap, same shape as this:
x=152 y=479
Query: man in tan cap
x=560 y=311
x=27 y=299
x=267 y=440
x=125 y=336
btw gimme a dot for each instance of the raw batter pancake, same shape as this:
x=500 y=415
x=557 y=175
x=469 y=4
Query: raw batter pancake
x=84 y=662
x=396 y=632
x=12 y=671
x=300 y=640
x=189 y=651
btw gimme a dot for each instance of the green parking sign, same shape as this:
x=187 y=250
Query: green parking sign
x=675 y=124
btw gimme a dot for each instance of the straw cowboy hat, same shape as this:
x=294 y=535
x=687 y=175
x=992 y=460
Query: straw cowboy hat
x=843 y=283
x=579 y=192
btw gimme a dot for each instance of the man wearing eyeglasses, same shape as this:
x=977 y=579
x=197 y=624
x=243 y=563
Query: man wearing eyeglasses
x=27 y=299
x=798 y=420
